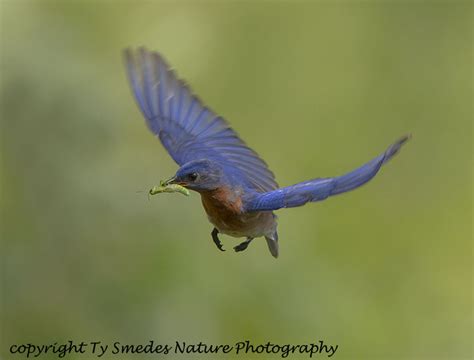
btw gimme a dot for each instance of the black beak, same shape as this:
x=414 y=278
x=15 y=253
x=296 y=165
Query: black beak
x=171 y=181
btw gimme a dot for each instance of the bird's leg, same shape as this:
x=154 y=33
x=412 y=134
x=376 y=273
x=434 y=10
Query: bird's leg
x=216 y=239
x=243 y=245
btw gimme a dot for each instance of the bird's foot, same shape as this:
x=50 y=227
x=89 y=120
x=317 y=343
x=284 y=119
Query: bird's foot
x=243 y=245
x=216 y=240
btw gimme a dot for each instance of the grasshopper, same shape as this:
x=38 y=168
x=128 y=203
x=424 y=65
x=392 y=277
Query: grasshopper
x=168 y=188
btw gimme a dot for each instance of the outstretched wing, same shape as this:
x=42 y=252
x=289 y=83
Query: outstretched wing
x=188 y=129
x=320 y=189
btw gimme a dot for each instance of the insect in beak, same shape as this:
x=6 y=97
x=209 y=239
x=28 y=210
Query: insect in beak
x=169 y=186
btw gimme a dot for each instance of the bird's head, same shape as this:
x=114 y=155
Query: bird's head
x=198 y=175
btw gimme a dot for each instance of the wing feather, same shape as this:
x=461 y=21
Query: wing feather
x=320 y=189
x=186 y=128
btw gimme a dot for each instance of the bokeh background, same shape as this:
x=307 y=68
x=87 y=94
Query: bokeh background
x=317 y=89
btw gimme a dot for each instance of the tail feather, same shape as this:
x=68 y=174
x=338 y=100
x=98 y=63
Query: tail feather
x=320 y=189
x=272 y=242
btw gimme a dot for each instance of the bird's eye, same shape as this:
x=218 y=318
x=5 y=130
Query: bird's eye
x=193 y=176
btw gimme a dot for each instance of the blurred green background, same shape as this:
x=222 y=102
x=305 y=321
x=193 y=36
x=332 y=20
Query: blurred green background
x=317 y=89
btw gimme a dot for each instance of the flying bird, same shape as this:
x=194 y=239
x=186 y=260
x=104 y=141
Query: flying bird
x=238 y=191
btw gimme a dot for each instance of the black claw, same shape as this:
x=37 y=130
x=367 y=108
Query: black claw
x=242 y=246
x=219 y=245
x=216 y=240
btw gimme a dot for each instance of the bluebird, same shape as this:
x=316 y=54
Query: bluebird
x=238 y=191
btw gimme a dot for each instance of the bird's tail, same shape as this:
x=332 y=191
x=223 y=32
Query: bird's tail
x=272 y=242
x=319 y=189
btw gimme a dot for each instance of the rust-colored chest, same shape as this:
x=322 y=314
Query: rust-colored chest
x=225 y=211
x=222 y=205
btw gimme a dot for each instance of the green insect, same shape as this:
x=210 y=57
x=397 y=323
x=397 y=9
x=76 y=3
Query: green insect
x=168 y=188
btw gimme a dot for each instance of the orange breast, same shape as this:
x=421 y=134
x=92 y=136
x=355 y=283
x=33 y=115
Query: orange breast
x=224 y=210
x=222 y=203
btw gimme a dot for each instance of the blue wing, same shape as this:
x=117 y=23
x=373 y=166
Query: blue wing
x=188 y=129
x=320 y=189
